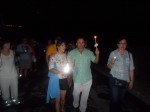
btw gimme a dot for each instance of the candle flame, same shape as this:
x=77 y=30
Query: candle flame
x=66 y=68
x=95 y=37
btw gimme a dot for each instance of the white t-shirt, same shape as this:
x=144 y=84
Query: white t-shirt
x=7 y=68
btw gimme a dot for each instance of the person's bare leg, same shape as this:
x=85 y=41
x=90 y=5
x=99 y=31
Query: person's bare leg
x=69 y=79
x=62 y=99
x=57 y=105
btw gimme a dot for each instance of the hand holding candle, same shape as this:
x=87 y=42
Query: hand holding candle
x=114 y=57
x=66 y=68
x=95 y=39
x=96 y=44
x=113 y=60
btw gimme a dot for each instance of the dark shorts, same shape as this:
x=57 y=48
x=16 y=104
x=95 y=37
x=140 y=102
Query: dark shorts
x=63 y=83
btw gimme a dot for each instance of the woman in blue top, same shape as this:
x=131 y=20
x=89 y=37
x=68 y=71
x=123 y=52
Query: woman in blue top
x=121 y=66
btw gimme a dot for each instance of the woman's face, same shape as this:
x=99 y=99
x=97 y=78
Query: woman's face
x=62 y=48
x=6 y=46
x=122 y=44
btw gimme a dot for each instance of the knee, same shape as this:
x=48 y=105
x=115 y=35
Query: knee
x=57 y=101
x=62 y=100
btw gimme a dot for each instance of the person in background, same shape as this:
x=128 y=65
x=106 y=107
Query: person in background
x=49 y=42
x=25 y=59
x=57 y=64
x=51 y=49
x=120 y=63
x=34 y=54
x=8 y=75
x=82 y=76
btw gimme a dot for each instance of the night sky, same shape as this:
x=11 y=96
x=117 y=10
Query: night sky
x=71 y=19
x=108 y=20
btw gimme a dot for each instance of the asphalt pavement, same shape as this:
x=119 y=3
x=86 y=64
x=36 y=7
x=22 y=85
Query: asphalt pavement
x=32 y=94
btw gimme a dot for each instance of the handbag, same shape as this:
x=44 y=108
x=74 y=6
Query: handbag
x=121 y=83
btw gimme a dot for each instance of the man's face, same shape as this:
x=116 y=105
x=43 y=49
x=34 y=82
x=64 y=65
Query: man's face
x=80 y=43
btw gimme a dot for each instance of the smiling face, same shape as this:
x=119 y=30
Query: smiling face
x=122 y=44
x=61 y=47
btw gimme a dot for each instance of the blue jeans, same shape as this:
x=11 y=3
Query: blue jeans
x=117 y=96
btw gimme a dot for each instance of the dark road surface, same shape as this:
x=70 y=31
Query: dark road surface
x=32 y=93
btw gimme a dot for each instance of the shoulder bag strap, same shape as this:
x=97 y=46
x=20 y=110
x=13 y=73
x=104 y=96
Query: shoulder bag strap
x=129 y=60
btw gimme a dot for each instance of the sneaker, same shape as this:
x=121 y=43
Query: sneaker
x=8 y=103
x=16 y=101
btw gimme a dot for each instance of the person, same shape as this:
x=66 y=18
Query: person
x=120 y=63
x=49 y=42
x=82 y=76
x=51 y=49
x=56 y=66
x=8 y=75
x=25 y=60
x=34 y=54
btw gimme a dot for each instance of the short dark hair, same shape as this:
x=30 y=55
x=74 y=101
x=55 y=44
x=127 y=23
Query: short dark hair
x=80 y=38
x=122 y=38
x=59 y=42
x=4 y=41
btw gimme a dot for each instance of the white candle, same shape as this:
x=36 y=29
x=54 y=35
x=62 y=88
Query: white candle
x=95 y=39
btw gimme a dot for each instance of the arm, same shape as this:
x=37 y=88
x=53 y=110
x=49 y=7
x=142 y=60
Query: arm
x=55 y=71
x=111 y=60
x=110 y=63
x=131 y=74
x=97 y=56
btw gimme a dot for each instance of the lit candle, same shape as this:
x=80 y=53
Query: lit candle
x=96 y=44
x=20 y=75
x=114 y=57
x=66 y=68
x=95 y=39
